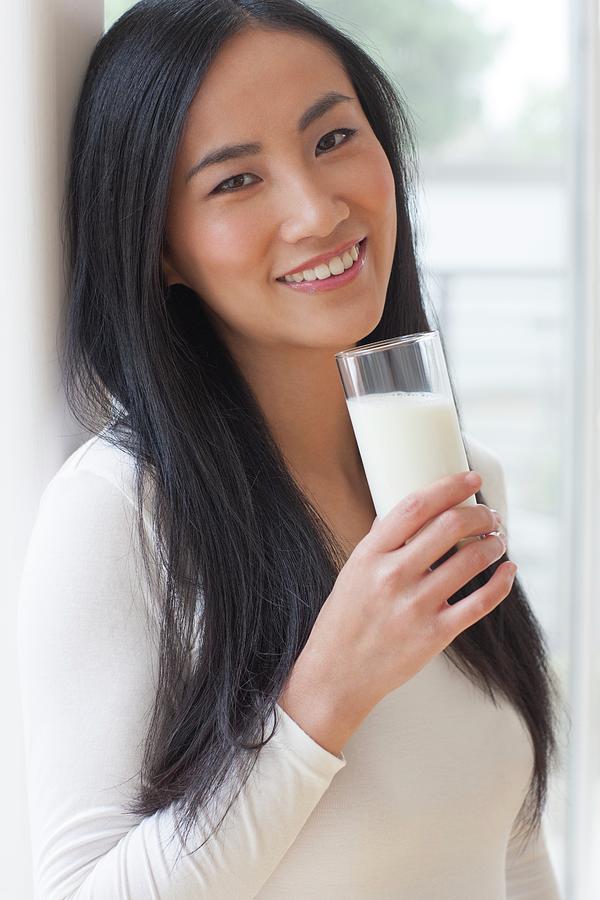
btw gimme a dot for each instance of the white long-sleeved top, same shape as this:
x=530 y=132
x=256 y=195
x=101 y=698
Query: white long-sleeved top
x=421 y=804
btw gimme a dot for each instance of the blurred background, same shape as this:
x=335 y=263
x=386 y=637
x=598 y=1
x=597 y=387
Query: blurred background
x=504 y=103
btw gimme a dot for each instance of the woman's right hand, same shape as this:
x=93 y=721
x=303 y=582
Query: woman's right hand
x=388 y=613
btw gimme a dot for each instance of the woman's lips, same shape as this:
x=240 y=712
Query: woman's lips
x=334 y=281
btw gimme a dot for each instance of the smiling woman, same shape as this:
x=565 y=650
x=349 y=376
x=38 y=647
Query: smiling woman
x=240 y=684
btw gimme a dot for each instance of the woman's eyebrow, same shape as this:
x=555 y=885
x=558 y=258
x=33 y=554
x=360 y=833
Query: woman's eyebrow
x=234 y=151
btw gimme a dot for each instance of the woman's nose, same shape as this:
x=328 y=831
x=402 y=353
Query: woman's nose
x=310 y=209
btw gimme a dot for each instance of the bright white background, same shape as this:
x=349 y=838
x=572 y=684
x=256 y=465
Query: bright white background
x=509 y=244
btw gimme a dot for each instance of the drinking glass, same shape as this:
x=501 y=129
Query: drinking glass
x=403 y=414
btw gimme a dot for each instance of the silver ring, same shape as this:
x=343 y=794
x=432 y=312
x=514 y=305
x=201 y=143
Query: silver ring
x=500 y=533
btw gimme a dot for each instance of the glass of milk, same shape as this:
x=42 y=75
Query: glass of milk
x=403 y=414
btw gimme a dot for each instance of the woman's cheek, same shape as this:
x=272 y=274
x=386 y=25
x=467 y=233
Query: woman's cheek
x=381 y=180
x=227 y=243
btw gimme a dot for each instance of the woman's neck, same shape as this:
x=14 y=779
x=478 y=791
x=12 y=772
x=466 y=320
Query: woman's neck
x=302 y=398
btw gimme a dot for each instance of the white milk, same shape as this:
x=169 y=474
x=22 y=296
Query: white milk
x=406 y=441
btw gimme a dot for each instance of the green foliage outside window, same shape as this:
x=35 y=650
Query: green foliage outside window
x=435 y=50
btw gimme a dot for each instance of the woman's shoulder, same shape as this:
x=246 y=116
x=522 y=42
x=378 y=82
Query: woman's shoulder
x=83 y=550
x=485 y=461
x=90 y=502
x=103 y=466
x=101 y=457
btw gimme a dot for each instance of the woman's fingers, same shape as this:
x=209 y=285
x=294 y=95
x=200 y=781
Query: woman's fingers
x=457 y=617
x=417 y=509
x=469 y=561
x=445 y=531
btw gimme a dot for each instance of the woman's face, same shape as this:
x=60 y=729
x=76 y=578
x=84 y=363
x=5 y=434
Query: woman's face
x=236 y=226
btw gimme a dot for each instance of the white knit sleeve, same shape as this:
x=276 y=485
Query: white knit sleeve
x=88 y=665
x=493 y=487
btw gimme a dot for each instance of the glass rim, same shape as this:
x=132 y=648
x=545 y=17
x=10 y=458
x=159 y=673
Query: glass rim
x=388 y=342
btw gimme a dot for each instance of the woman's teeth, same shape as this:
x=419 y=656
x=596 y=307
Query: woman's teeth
x=335 y=266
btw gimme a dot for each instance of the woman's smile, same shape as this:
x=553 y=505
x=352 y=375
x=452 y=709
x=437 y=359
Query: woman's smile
x=317 y=280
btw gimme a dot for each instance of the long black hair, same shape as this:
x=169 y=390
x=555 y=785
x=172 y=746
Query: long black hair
x=245 y=561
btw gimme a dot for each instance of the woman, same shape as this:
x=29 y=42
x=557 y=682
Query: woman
x=237 y=681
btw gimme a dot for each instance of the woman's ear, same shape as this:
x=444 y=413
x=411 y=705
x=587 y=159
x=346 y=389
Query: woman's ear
x=170 y=273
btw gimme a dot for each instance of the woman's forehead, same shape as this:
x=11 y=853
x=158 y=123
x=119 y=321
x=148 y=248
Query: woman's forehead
x=259 y=70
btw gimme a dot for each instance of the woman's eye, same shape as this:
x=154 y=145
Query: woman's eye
x=349 y=132
x=222 y=189
x=228 y=186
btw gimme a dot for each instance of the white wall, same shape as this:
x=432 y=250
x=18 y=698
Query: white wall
x=44 y=48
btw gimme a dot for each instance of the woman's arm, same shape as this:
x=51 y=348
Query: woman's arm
x=87 y=668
